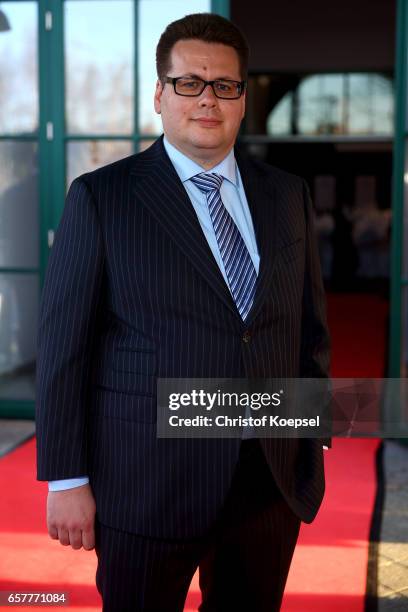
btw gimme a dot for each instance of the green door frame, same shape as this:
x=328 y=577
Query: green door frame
x=51 y=122
x=52 y=139
x=397 y=237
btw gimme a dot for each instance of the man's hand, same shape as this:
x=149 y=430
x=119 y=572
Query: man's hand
x=71 y=517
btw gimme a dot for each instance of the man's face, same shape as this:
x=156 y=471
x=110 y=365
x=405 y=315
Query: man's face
x=203 y=127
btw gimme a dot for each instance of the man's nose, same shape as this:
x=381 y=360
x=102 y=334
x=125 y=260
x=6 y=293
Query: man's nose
x=208 y=96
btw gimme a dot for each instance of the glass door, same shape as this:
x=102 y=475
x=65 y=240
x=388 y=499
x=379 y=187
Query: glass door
x=76 y=92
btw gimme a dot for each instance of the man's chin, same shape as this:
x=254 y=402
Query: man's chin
x=208 y=142
x=211 y=150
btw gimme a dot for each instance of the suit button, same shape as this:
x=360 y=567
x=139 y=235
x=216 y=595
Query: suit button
x=247 y=336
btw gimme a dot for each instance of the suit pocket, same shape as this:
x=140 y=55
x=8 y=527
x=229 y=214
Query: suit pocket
x=112 y=404
x=129 y=371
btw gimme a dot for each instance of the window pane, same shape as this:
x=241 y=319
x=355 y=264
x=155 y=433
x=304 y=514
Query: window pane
x=99 y=76
x=320 y=105
x=84 y=156
x=354 y=104
x=370 y=104
x=279 y=122
x=18 y=68
x=18 y=204
x=18 y=327
x=154 y=16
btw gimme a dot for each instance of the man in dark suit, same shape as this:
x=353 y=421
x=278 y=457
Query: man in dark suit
x=186 y=260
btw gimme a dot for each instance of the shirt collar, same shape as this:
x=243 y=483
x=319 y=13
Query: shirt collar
x=187 y=168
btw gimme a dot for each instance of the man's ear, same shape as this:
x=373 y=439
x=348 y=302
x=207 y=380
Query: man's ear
x=157 y=96
x=243 y=104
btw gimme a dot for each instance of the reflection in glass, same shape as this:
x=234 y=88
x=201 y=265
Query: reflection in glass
x=18 y=69
x=85 y=156
x=99 y=76
x=154 y=16
x=354 y=104
x=18 y=204
x=19 y=295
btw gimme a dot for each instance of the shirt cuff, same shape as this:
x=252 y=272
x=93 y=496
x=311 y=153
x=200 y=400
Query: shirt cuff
x=67 y=483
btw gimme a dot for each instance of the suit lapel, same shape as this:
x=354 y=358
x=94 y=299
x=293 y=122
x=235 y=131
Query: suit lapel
x=261 y=198
x=158 y=187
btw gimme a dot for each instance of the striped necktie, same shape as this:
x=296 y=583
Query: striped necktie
x=238 y=264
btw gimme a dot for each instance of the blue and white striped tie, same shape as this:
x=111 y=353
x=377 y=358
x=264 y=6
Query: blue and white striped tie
x=238 y=264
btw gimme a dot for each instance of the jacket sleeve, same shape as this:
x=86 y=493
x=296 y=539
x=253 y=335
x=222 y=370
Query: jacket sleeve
x=67 y=323
x=315 y=342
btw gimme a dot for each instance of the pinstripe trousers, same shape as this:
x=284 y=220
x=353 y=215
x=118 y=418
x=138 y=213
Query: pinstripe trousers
x=244 y=560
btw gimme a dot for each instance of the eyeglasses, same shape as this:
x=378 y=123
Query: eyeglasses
x=193 y=86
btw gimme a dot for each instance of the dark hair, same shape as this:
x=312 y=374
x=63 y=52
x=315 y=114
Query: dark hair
x=208 y=27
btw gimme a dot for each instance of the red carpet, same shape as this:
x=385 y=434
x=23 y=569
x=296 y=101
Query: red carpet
x=329 y=566
x=330 y=562
x=30 y=561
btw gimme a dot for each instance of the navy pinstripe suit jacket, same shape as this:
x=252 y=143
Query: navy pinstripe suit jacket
x=132 y=293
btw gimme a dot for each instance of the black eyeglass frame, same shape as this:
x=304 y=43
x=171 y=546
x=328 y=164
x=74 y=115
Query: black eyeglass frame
x=173 y=81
